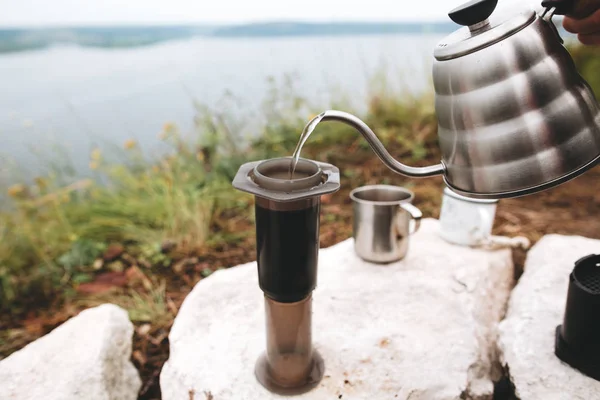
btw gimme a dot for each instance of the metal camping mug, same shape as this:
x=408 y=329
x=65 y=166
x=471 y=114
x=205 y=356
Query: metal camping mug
x=384 y=219
x=465 y=221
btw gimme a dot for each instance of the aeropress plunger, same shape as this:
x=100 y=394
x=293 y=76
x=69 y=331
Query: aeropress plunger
x=287 y=244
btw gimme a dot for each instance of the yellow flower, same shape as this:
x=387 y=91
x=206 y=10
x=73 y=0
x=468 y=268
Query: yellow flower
x=130 y=144
x=16 y=190
x=41 y=182
x=168 y=126
x=200 y=156
x=72 y=237
x=96 y=154
x=94 y=165
x=155 y=169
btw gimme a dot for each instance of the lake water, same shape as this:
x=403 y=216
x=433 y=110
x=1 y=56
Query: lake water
x=83 y=97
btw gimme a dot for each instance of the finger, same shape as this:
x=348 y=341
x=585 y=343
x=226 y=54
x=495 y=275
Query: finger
x=586 y=25
x=583 y=8
x=590 y=40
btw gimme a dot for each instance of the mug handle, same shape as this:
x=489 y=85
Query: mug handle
x=416 y=216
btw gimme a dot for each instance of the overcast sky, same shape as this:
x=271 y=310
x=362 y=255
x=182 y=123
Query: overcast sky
x=70 y=12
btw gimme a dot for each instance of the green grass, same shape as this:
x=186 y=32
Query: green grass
x=55 y=229
x=587 y=60
x=52 y=235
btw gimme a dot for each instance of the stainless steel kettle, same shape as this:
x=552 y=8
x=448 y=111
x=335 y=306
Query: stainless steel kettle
x=514 y=115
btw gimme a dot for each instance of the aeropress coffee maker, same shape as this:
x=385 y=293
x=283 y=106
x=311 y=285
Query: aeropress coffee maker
x=287 y=245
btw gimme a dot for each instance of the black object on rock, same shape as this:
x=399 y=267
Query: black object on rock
x=578 y=338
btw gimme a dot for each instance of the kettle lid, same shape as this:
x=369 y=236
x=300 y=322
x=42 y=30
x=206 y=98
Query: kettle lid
x=479 y=29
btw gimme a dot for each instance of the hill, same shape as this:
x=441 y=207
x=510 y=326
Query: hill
x=19 y=39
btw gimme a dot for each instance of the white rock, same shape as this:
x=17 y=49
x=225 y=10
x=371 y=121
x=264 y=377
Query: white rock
x=536 y=308
x=422 y=328
x=87 y=357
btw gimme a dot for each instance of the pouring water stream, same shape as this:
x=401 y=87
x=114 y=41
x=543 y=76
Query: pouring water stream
x=308 y=129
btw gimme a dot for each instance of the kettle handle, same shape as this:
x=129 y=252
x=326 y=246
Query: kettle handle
x=575 y=8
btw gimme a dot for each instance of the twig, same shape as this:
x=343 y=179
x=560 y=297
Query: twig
x=149 y=382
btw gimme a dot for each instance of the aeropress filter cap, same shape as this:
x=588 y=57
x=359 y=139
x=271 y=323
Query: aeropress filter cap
x=578 y=338
x=269 y=179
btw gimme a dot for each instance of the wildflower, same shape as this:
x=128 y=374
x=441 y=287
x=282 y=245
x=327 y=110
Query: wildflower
x=41 y=182
x=155 y=169
x=96 y=154
x=16 y=190
x=94 y=165
x=73 y=237
x=168 y=130
x=200 y=156
x=130 y=144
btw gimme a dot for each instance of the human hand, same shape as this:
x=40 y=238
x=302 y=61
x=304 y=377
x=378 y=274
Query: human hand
x=586 y=26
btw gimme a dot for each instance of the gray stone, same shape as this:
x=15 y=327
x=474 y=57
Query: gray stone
x=87 y=357
x=422 y=328
x=536 y=308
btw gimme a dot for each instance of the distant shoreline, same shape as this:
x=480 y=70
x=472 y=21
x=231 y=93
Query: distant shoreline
x=23 y=39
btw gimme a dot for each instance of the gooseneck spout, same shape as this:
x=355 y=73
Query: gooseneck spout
x=377 y=146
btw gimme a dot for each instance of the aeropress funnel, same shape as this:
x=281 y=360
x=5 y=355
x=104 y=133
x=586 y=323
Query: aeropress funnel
x=578 y=338
x=287 y=245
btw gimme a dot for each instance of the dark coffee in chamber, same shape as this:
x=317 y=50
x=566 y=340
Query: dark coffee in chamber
x=287 y=245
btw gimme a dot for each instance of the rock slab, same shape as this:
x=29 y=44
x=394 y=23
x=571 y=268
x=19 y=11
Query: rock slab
x=87 y=357
x=421 y=328
x=536 y=308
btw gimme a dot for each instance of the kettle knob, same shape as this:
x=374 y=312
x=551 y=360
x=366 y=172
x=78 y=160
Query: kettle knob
x=473 y=12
